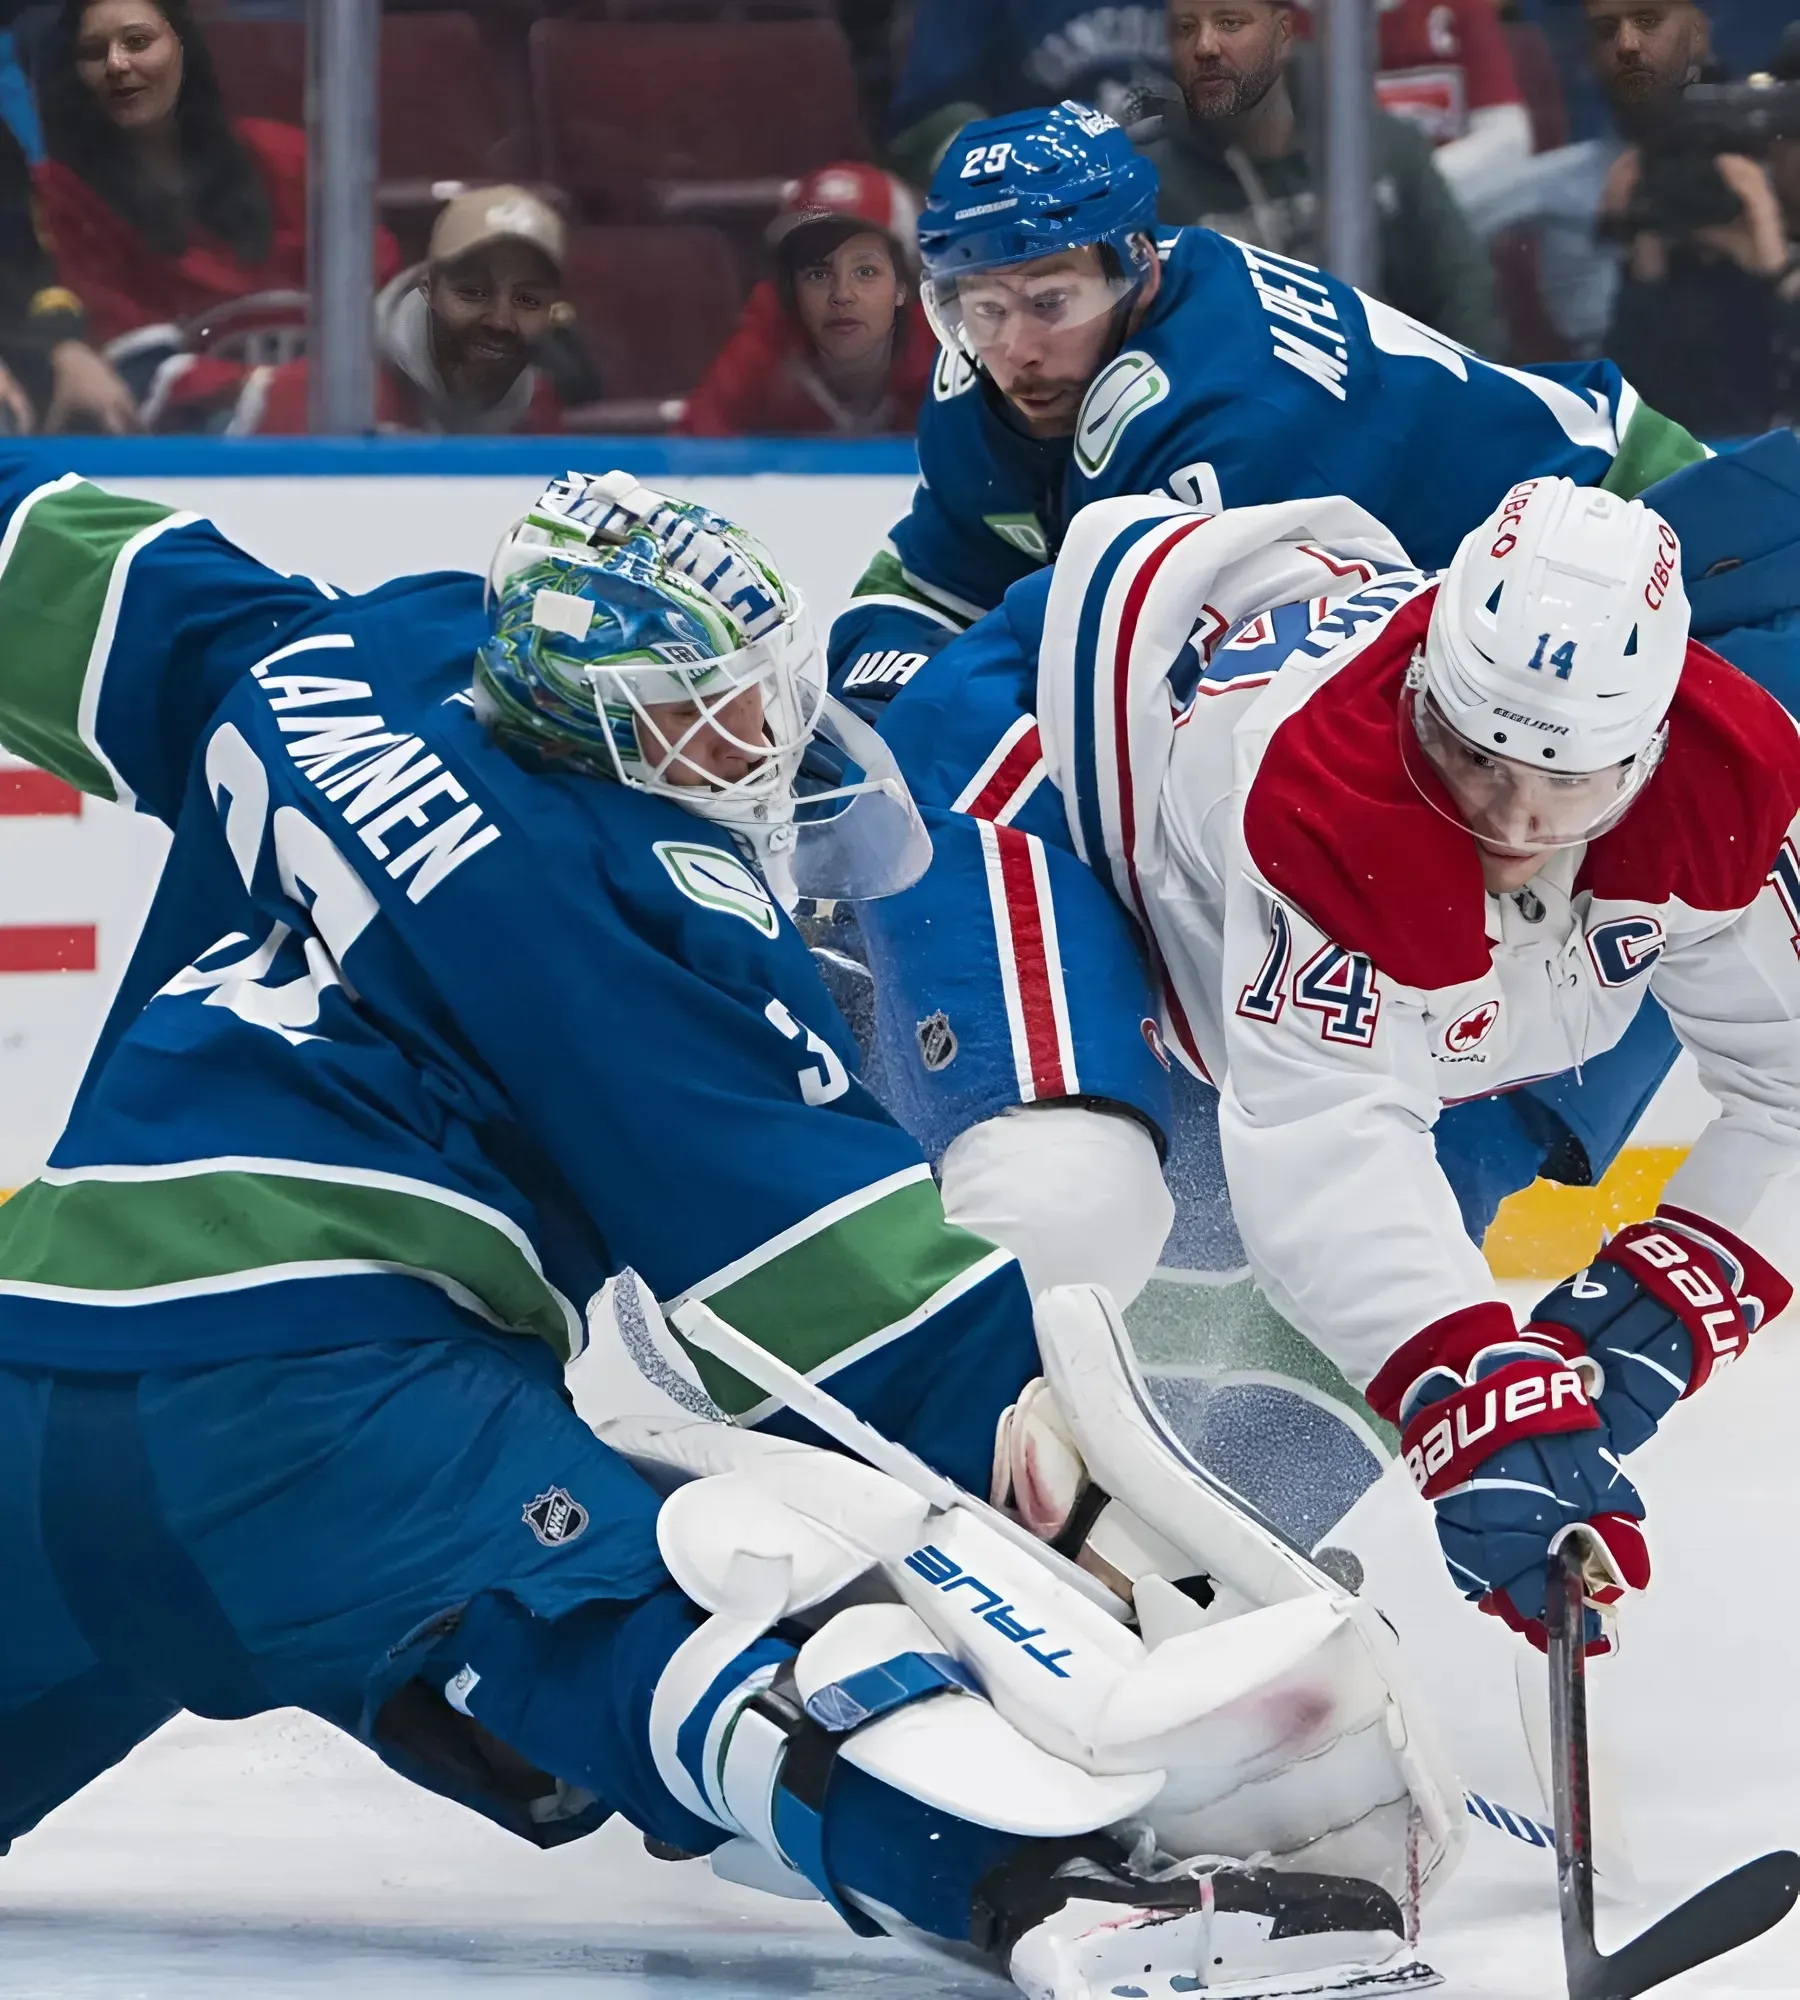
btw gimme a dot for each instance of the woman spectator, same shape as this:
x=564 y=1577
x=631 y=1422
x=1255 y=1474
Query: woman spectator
x=160 y=208
x=837 y=341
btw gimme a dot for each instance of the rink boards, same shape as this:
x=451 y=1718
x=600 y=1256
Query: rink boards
x=76 y=876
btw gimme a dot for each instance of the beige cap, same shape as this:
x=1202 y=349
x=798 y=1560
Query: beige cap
x=495 y=215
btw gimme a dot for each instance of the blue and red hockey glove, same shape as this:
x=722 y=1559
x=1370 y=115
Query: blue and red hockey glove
x=1664 y=1304
x=1502 y=1436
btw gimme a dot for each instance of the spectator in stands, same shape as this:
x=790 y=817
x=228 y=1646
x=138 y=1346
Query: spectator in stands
x=1233 y=157
x=50 y=377
x=1696 y=320
x=977 y=58
x=458 y=336
x=1445 y=65
x=836 y=341
x=158 y=207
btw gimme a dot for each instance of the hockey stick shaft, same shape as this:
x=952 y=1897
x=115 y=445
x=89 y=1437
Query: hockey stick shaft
x=697 y=1322
x=1571 y=1802
x=1725 y=1914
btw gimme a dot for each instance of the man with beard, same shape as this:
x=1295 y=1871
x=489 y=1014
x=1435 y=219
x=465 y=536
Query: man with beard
x=1234 y=156
x=458 y=336
x=1090 y=353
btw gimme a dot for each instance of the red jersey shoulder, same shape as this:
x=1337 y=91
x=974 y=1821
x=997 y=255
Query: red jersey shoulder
x=1337 y=827
x=1713 y=817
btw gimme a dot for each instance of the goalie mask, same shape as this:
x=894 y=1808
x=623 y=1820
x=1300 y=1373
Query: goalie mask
x=1539 y=699
x=650 y=641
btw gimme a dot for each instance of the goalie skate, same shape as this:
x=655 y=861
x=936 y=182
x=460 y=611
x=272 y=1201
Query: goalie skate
x=1086 y=1927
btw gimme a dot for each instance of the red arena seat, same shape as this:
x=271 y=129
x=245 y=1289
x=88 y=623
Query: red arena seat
x=440 y=118
x=706 y=10
x=654 y=304
x=648 y=119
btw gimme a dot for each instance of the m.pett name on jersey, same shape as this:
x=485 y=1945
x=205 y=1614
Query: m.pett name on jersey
x=383 y=782
x=1293 y=297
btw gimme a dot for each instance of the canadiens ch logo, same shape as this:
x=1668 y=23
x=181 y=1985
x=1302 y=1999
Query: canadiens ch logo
x=1471 y=1029
x=937 y=1041
x=1625 y=948
x=556 y=1517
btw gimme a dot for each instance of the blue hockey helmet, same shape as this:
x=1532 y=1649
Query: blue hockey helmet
x=626 y=628
x=1031 y=185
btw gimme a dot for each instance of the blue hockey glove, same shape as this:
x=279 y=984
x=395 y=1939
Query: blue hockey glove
x=1664 y=1304
x=1515 y=1458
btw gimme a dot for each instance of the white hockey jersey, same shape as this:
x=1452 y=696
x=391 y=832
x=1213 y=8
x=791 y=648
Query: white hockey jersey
x=1330 y=957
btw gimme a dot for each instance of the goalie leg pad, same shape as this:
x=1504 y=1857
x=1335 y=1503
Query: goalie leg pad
x=746 y=1736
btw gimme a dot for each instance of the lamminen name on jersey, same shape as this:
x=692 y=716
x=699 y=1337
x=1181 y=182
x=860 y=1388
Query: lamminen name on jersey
x=381 y=781
x=1297 y=303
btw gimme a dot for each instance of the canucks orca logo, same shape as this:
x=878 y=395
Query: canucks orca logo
x=1121 y=392
x=1625 y=948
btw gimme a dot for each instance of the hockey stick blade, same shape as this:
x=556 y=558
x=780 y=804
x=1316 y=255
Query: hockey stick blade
x=1727 y=1913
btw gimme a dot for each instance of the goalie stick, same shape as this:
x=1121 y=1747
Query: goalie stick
x=1727 y=1913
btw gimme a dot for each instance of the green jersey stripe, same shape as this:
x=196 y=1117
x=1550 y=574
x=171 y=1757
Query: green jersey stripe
x=851 y=1278
x=846 y=1357
x=64 y=565
x=886 y=577
x=127 y=1235
x=1651 y=446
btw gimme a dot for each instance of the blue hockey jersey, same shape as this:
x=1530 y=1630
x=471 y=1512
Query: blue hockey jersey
x=416 y=1037
x=1253 y=378
x=1007 y=55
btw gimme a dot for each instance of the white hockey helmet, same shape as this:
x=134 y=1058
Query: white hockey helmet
x=1554 y=651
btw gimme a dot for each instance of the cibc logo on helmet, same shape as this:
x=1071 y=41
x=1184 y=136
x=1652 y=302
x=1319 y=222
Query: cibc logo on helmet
x=1665 y=565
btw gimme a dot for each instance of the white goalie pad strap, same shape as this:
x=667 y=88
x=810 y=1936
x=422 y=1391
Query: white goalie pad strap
x=954 y=1750
x=753 y=1547
x=693 y=1669
x=745 y=1750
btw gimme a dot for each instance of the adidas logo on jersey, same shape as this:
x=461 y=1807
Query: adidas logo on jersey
x=889 y=669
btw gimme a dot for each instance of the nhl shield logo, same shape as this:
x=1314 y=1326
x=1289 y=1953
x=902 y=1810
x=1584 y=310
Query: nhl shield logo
x=556 y=1517
x=937 y=1041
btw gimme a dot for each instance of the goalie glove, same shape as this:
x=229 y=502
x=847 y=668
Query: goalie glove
x=1663 y=1304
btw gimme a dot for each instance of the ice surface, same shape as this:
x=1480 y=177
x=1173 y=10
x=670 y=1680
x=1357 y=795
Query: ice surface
x=279 y=1860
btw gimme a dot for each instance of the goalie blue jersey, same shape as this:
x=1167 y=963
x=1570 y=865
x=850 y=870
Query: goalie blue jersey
x=1253 y=378
x=417 y=1039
